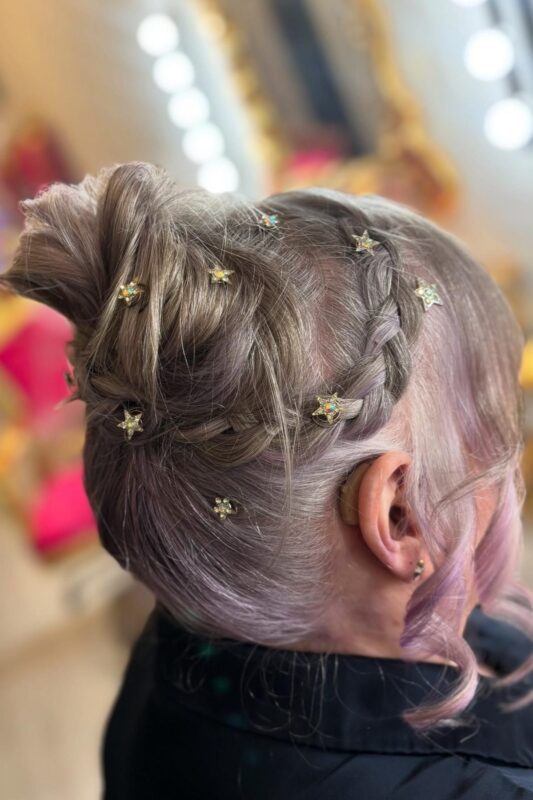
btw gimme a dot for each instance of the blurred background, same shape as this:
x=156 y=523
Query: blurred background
x=429 y=103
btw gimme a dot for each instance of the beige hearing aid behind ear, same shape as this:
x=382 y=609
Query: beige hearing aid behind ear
x=349 y=494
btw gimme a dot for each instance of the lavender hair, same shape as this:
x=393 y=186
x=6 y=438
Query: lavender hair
x=227 y=377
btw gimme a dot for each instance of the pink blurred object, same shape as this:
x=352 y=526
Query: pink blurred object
x=34 y=358
x=33 y=159
x=62 y=515
x=312 y=158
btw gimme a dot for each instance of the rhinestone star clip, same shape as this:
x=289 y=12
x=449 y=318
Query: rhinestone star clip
x=220 y=275
x=328 y=407
x=269 y=220
x=131 y=423
x=428 y=294
x=364 y=244
x=223 y=507
x=130 y=292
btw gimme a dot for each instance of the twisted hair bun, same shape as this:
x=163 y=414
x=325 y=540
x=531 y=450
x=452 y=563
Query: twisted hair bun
x=202 y=360
x=227 y=372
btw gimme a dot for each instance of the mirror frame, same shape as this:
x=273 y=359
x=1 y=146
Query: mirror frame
x=405 y=154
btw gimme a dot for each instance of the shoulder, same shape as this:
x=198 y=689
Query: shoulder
x=495 y=642
x=129 y=713
x=404 y=777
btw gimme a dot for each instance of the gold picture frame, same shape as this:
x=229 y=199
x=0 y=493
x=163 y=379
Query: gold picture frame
x=406 y=158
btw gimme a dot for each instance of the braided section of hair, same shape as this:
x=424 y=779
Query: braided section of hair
x=226 y=369
x=380 y=374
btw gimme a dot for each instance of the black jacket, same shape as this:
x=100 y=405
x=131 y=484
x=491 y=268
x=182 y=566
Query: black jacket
x=221 y=719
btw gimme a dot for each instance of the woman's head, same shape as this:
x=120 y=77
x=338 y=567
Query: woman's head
x=227 y=375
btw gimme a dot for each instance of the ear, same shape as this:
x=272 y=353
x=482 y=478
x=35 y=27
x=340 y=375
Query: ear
x=373 y=499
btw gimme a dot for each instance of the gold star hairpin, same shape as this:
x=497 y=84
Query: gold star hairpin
x=223 y=507
x=328 y=407
x=219 y=275
x=364 y=244
x=130 y=292
x=131 y=423
x=269 y=220
x=428 y=294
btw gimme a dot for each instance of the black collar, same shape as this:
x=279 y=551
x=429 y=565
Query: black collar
x=342 y=702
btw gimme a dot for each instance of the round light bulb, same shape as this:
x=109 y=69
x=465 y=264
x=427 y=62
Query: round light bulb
x=468 y=3
x=509 y=124
x=219 y=175
x=204 y=142
x=489 y=55
x=157 y=34
x=188 y=108
x=173 y=72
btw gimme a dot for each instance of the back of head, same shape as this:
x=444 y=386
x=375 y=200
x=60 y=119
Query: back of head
x=227 y=374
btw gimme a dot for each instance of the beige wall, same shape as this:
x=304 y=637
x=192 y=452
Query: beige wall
x=76 y=65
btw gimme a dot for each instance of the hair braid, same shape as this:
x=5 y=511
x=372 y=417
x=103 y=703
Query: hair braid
x=381 y=373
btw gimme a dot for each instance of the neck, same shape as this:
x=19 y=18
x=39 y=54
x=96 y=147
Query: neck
x=354 y=625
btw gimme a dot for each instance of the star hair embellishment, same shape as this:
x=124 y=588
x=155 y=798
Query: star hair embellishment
x=328 y=407
x=428 y=294
x=223 y=507
x=131 y=423
x=219 y=275
x=130 y=292
x=364 y=244
x=269 y=220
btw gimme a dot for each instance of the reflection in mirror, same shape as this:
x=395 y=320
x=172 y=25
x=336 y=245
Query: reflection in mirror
x=315 y=67
x=323 y=90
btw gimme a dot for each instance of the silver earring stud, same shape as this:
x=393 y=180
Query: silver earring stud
x=419 y=569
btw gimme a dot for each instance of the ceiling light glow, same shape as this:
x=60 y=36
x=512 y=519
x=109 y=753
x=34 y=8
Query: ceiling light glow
x=489 y=55
x=203 y=142
x=219 y=175
x=157 y=34
x=173 y=72
x=469 y=3
x=509 y=124
x=188 y=108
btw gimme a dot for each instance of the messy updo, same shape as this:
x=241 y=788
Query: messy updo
x=226 y=377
